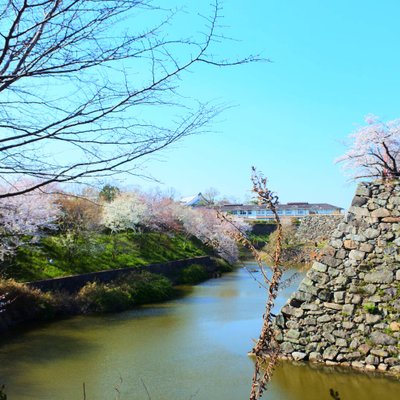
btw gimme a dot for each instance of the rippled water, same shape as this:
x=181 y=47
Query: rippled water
x=194 y=347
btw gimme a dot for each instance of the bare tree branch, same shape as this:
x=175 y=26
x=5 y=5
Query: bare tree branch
x=78 y=83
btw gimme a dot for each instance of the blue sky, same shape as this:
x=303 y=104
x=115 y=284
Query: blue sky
x=332 y=64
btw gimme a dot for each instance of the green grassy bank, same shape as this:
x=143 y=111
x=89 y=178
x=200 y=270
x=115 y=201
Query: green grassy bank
x=67 y=254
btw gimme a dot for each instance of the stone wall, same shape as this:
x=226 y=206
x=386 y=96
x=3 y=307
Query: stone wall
x=347 y=309
x=317 y=228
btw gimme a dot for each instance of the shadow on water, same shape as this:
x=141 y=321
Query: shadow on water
x=304 y=381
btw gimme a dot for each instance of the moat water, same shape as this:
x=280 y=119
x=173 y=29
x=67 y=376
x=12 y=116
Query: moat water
x=194 y=347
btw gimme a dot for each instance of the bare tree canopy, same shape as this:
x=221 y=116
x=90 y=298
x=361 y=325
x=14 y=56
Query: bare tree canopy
x=77 y=78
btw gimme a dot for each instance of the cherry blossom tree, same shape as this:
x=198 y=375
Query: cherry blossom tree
x=161 y=214
x=25 y=217
x=374 y=151
x=204 y=224
x=126 y=211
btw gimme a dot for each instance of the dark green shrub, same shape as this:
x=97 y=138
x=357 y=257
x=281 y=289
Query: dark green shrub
x=195 y=273
x=370 y=308
x=222 y=265
x=146 y=287
x=126 y=292
x=25 y=302
x=99 y=297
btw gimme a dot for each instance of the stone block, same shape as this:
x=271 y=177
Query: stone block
x=391 y=220
x=331 y=261
x=366 y=247
x=379 y=352
x=336 y=243
x=371 y=319
x=333 y=306
x=359 y=211
x=380 y=213
x=398 y=275
x=372 y=360
x=350 y=244
x=356 y=255
x=341 y=254
x=338 y=297
x=317 y=266
x=348 y=325
x=315 y=357
x=381 y=276
x=292 y=334
x=356 y=299
x=309 y=321
x=329 y=337
x=355 y=355
x=359 y=201
x=298 y=355
x=357 y=364
x=341 y=342
x=287 y=348
x=382 y=338
x=330 y=353
x=372 y=233
x=394 y=326
x=324 y=318
x=382 y=367
x=348 y=309
x=292 y=311
x=363 y=190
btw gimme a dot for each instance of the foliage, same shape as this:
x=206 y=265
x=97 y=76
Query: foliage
x=78 y=214
x=223 y=265
x=259 y=240
x=108 y=193
x=28 y=303
x=375 y=150
x=289 y=242
x=370 y=308
x=128 y=291
x=193 y=274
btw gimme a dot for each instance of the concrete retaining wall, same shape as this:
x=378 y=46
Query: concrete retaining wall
x=171 y=270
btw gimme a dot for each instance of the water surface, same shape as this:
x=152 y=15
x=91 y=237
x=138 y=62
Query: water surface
x=190 y=348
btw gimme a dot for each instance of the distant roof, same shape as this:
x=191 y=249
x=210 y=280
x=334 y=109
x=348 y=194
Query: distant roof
x=192 y=200
x=291 y=206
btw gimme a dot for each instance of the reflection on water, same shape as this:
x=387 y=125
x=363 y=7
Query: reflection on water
x=194 y=345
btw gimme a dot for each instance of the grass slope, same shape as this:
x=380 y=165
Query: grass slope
x=63 y=255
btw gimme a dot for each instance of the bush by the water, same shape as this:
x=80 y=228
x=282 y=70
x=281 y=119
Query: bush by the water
x=28 y=304
x=222 y=265
x=134 y=289
x=195 y=273
x=126 y=292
